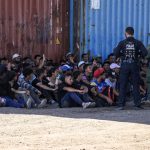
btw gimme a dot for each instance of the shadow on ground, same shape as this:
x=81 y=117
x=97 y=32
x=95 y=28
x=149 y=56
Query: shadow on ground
x=109 y=114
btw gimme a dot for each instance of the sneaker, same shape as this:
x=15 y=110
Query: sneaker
x=42 y=104
x=29 y=103
x=51 y=101
x=120 y=108
x=88 y=105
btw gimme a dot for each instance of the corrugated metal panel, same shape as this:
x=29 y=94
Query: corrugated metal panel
x=104 y=27
x=32 y=27
x=75 y=9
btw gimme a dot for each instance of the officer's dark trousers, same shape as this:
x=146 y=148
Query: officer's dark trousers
x=129 y=70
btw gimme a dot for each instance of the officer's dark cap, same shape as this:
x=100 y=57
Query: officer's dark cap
x=130 y=30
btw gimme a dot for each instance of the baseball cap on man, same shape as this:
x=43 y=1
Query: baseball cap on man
x=15 y=56
x=81 y=63
x=68 y=54
x=98 y=72
x=66 y=68
x=114 y=65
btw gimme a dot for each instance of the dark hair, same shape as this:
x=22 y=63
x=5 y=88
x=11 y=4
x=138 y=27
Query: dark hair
x=84 y=55
x=35 y=57
x=26 y=65
x=112 y=54
x=130 y=30
x=49 y=63
x=106 y=62
x=51 y=71
x=110 y=74
x=4 y=58
x=11 y=75
x=38 y=72
x=62 y=62
x=25 y=58
x=68 y=74
x=94 y=69
x=86 y=66
x=41 y=58
x=76 y=74
x=3 y=69
x=27 y=71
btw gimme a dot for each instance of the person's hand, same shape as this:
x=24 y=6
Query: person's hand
x=9 y=65
x=81 y=91
x=94 y=91
x=72 y=60
x=85 y=90
x=77 y=46
x=39 y=93
x=55 y=89
x=27 y=92
x=44 y=58
x=118 y=60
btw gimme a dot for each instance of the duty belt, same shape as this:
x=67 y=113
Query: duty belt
x=128 y=61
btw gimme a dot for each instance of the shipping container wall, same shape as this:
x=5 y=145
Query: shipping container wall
x=32 y=27
x=102 y=23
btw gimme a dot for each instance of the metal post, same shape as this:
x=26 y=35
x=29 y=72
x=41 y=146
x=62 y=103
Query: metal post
x=81 y=26
x=71 y=25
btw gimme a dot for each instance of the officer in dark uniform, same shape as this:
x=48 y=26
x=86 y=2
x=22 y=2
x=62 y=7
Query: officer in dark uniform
x=130 y=51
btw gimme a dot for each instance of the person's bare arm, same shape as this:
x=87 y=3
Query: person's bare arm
x=70 y=89
x=18 y=91
x=42 y=63
x=41 y=85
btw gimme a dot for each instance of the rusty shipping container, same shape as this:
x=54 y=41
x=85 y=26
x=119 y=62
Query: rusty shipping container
x=32 y=27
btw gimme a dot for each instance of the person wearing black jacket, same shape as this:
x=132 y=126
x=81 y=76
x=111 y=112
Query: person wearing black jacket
x=6 y=94
x=130 y=50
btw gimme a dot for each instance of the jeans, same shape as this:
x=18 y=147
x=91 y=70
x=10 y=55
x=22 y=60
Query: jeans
x=12 y=103
x=35 y=98
x=72 y=99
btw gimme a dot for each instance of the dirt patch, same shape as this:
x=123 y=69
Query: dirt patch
x=74 y=129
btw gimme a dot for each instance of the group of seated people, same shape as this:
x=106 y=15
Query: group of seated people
x=37 y=83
